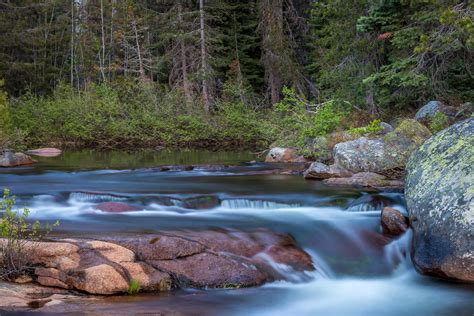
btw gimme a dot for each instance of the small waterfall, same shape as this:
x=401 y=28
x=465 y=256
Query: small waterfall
x=257 y=204
x=397 y=253
x=287 y=272
x=95 y=197
x=367 y=203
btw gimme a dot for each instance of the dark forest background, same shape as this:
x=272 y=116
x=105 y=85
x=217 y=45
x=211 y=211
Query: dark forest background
x=206 y=73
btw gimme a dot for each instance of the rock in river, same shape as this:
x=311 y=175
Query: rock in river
x=440 y=199
x=45 y=152
x=318 y=170
x=393 y=222
x=161 y=261
x=10 y=159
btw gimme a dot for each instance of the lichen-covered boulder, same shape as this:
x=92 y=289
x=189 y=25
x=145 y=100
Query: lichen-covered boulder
x=280 y=154
x=382 y=155
x=440 y=199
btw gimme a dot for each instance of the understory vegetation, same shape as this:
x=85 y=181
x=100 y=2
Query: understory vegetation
x=225 y=74
x=17 y=239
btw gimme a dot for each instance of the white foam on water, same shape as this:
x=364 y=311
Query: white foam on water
x=404 y=294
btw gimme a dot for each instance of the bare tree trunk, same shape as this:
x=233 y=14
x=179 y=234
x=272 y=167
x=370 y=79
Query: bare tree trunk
x=112 y=47
x=204 y=66
x=72 y=43
x=102 y=55
x=184 y=64
x=240 y=80
x=139 y=55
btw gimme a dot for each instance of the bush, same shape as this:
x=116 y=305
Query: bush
x=370 y=129
x=126 y=114
x=299 y=121
x=18 y=238
x=438 y=122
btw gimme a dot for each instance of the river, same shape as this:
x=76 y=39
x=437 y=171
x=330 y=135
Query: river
x=339 y=228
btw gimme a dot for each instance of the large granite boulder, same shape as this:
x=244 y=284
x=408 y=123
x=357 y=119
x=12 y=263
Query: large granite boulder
x=10 y=159
x=440 y=198
x=161 y=261
x=382 y=155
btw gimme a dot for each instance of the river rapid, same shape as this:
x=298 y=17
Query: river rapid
x=356 y=273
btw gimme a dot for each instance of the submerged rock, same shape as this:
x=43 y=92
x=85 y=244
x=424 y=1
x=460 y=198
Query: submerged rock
x=10 y=159
x=200 y=202
x=382 y=155
x=440 y=198
x=279 y=154
x=115 y=207
x=318 y=170
x=45 y=152
x=162 y=261
x=393 y=222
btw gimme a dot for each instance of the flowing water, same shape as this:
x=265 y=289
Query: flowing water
x=356 y=274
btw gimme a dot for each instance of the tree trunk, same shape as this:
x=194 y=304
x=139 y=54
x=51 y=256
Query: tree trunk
x=102 y=54
x=204 y=66
x=184 y=64
x=141 y=69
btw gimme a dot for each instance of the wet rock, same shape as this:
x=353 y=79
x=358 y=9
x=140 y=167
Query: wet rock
x=115 y=207
x=440 y=195
x=99 y=279
x=165 y=260
x=24 y=297
x=45 y=152
x=382 y=155
x=9 y=159
x=176 y=168
x=393 y=222
x=429 y=110
x=318 y=170
x=213 y=270
x=150 y=279
x=200 y=202
x=279 y=154
x=367 y=180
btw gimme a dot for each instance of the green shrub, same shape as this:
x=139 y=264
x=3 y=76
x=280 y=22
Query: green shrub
x=438 y=122
x=19 y=238
x=134 y=287
x=299 y=121
x=372 y=128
